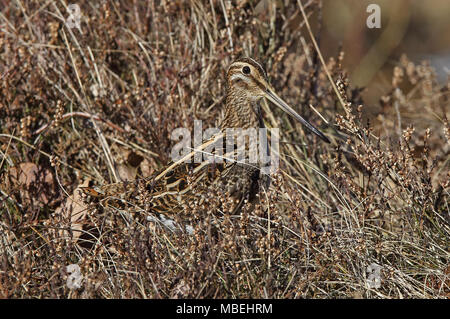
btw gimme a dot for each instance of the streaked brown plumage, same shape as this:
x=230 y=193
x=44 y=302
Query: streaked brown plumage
x=180 y=186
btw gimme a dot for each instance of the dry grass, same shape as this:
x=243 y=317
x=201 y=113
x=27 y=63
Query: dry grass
x=101 y=106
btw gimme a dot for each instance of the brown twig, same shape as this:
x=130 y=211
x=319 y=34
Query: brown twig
x=80 y=114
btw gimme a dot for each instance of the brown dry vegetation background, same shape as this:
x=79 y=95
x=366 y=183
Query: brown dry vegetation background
x=99 y=105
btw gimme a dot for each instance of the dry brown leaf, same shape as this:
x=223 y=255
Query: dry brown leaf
x=35 y=183
x=147 y=167
x=126 y=172
x=75 y=210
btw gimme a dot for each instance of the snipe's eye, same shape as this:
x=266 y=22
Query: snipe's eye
x=246 y=70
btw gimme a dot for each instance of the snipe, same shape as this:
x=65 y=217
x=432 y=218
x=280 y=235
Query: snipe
x=180 y=187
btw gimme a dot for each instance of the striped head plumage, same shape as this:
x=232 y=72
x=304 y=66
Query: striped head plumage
x=247 y=83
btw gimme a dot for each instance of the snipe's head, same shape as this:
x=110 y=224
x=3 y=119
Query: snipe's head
x=247 y=78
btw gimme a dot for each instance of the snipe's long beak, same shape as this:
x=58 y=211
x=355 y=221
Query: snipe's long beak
x=275 y=99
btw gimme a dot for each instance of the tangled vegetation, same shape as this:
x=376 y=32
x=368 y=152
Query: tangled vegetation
x=98 y=105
